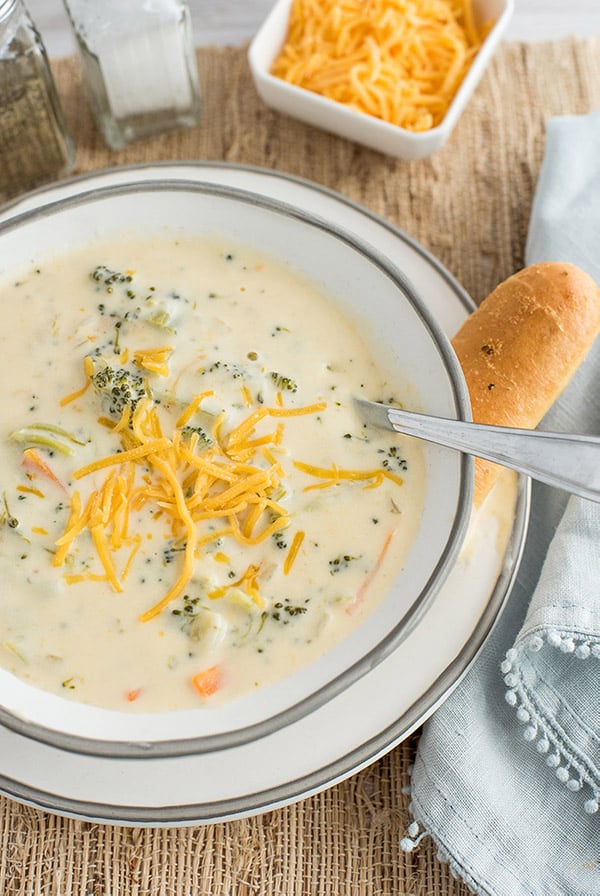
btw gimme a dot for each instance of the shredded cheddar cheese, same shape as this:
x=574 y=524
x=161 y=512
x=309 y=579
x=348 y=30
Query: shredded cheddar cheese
x=26 y=489
x=399 y=60
x=335 y=475
x=247 y=582
x=235 y=476
x=88 y=368
x=155 y=360
x=121 y=457
x=73 y=396
x=246 y=396
x=293 y=552
x=232 y=480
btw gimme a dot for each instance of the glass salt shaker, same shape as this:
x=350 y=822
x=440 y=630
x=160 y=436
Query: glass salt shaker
x=35 y=146
x=139 y=66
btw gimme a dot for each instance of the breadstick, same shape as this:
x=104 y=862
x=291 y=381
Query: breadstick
x=523 y=345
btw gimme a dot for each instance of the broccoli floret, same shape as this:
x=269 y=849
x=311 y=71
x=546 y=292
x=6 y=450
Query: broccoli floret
x=204 y=440
x=145 y=303
x=120 y=388
x=102 y=274
x=284 y=382
x=234 y=370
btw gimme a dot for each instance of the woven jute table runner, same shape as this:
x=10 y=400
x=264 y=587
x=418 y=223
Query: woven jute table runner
x=469 y=205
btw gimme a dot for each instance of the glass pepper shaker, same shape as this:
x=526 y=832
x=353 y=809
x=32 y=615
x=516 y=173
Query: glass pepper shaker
x=35 y=146
x=139 y=66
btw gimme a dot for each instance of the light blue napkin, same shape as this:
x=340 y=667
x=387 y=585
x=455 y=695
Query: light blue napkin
x=507 y=774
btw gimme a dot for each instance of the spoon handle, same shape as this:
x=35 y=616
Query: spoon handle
x=570 y=462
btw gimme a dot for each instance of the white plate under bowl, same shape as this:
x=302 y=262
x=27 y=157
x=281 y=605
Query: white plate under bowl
x=385 y=705
x=373 y=132
x=409 y=346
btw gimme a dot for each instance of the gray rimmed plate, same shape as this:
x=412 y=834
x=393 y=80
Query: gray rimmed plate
x=243 y=778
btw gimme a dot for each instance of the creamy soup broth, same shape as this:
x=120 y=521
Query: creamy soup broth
x=251 y=523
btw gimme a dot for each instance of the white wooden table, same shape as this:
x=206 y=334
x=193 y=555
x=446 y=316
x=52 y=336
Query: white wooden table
x=234 y=21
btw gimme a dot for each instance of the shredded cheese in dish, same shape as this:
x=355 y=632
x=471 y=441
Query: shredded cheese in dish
x=191 y=506
x=399 y=60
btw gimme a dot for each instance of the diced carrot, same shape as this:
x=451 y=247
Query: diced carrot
x=133 y=694
x=33 y=462
x=208 y=681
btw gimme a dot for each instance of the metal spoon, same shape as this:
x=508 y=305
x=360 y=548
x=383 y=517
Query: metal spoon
x=570 y=462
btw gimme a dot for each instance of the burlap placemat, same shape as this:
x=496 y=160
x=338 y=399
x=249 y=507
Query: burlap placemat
x=469 y=205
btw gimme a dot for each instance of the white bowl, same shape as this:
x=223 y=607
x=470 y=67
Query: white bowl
x=411 y=344
x=345 y=122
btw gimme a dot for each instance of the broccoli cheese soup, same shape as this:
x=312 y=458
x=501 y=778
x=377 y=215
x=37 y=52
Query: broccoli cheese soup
x=190 y=507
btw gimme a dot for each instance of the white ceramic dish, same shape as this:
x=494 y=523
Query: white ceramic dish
x=320 y=748
x=337 y=118
x=407 y=341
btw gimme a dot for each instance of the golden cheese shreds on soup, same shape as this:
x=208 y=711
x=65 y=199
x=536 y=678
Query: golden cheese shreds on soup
x=191 y=507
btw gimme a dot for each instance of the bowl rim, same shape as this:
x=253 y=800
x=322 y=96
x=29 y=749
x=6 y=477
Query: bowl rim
x=184 y=745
